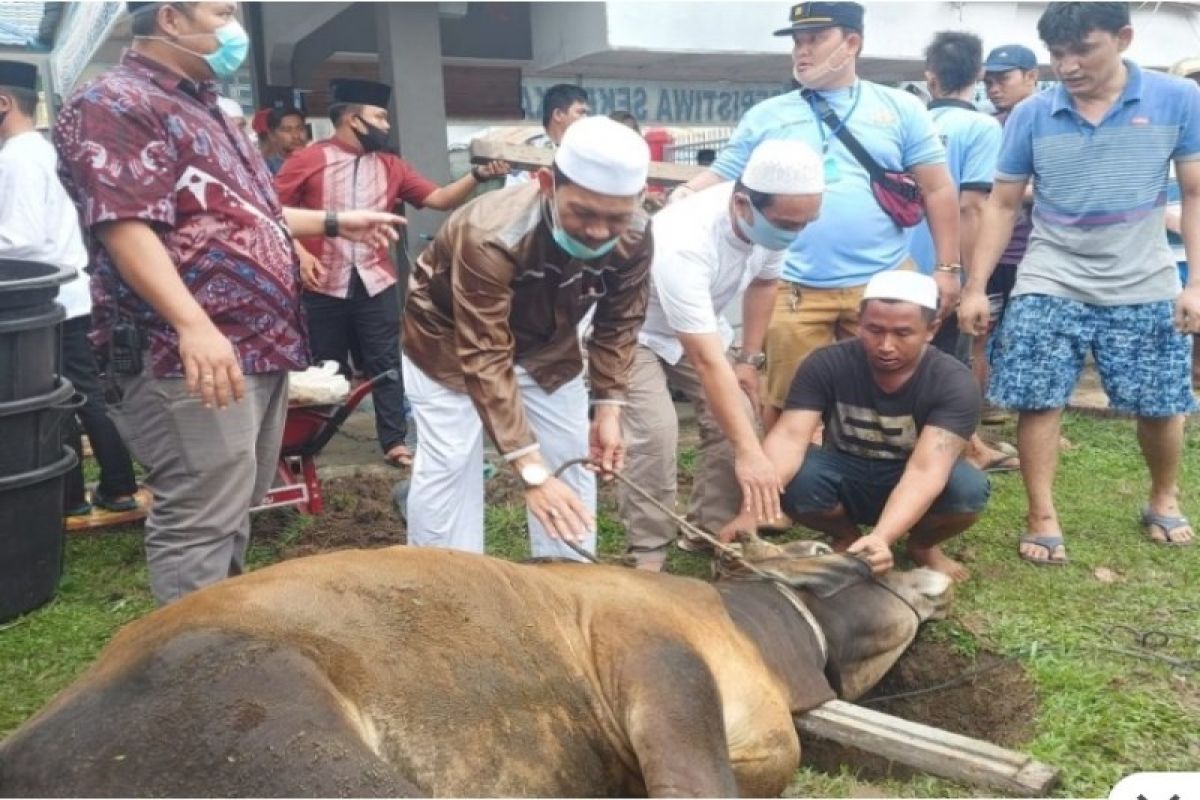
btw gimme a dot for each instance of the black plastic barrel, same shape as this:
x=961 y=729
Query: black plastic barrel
x=31 y=536
x=30 y=351
x=27 y=284
x=32 y=429
x=33 y=460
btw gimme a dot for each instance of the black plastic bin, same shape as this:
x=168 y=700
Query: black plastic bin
x=30 y=350
x=32 y=429
x=31 y=536
x=24 y=284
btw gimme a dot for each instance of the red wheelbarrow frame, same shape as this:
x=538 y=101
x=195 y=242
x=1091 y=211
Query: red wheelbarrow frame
x=306 y=431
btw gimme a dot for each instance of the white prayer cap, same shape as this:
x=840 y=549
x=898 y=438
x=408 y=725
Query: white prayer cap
x=604 y=156
x=232 y=108
x=1186 y=68
x=780 y=166
x=903 y=285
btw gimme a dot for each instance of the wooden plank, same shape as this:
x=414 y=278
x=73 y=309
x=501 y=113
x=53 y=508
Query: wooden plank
x=531 y=158
x=929 y=749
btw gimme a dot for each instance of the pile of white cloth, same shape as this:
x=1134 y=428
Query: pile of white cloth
x=318 y=386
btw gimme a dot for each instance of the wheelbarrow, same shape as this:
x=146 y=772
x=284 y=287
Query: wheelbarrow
x=306 y=431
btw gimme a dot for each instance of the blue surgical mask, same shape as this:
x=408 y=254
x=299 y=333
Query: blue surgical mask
x=763 y=233
x=572 y=246
x=232 y=46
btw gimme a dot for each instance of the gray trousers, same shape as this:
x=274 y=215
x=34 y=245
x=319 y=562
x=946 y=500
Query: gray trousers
x=206 y=468
x=651 y=431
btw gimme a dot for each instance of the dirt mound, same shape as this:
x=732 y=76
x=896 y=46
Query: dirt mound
x=358 y=514
x=996 y=703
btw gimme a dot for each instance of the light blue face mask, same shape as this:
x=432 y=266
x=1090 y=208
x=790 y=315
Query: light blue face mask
x=232 y=46
x=763 y=233
x=572 y=246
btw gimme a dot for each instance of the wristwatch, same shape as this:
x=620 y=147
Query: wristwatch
x=331 y=224
x=534 y=475
x=755 y=360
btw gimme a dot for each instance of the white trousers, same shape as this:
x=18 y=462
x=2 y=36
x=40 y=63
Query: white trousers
x=445 y=496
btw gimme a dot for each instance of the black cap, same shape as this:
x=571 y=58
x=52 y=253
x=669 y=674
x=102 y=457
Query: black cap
x=136 y=7
x=366 y=93
x=19 y=75
x=1008 y=57
x=815 y=16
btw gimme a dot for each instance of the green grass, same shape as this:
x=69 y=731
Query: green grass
x=1101 y=716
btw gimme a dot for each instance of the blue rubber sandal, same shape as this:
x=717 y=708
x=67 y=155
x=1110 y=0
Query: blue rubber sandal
x=1168 y=525
x=1050 y=543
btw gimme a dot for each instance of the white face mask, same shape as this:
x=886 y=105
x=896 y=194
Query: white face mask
x=824 y=68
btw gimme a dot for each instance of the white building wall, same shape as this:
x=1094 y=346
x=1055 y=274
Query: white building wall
x=645 y=33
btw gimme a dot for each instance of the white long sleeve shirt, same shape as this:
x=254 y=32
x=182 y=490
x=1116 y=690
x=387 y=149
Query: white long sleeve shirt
x=38 y=222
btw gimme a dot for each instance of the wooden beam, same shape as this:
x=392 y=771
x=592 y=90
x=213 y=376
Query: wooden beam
x=530 y=158
x=931 y=750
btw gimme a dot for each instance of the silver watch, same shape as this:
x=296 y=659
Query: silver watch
x=755 y=360
x=534 y=475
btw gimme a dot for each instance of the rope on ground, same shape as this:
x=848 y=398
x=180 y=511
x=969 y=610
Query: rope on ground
x=961 y=678
x=1148 y=645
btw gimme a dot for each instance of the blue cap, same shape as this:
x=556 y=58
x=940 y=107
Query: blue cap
x=1010 y=56
x=815 y=16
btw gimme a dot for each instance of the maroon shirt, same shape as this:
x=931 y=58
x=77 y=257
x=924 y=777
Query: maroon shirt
x=330 y=175
x=143 y=143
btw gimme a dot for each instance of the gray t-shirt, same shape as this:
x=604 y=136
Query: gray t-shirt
x=1124 y=263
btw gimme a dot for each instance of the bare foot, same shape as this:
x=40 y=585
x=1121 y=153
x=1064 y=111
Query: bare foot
x=399 y=456
x=650 y=562
x=934 y=558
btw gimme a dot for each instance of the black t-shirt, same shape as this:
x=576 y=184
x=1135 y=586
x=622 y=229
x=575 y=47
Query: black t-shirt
x=863 y=420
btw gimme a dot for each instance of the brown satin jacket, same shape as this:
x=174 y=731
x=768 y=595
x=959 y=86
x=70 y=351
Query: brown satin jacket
x=493 y=290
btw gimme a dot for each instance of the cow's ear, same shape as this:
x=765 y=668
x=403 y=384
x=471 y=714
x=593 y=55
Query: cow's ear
x=757 y=549
x=931 y=583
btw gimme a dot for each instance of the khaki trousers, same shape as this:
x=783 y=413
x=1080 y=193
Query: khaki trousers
x=804 y=320
x=206 y=468
x=651 y=431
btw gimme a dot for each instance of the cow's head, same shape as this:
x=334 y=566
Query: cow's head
x=868 y=621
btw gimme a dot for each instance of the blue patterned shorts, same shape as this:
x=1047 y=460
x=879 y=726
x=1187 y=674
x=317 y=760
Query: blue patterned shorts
x=1038 y=352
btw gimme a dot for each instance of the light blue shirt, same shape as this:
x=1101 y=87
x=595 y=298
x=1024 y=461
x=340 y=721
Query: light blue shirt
x=1100 y=190
x=972 y=141
x=853 y=239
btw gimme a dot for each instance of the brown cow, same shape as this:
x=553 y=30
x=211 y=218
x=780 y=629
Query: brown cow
x=430 y=672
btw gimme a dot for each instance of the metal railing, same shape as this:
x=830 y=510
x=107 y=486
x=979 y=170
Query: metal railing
x=690 y=146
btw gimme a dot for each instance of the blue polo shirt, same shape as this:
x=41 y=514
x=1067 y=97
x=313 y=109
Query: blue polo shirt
x=1100 y=190
x=972 y=141
x=853 y=239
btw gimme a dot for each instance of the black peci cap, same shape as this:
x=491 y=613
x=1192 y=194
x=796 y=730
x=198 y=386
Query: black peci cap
x=19 y=75
x=359 y=92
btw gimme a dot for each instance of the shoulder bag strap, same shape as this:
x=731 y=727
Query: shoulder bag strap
x=830 y=118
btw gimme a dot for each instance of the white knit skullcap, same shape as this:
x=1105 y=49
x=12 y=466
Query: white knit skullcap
x=780 y=166
x=903 y=285
x=1186 y=68
x=604 y=156
x=232 y=108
